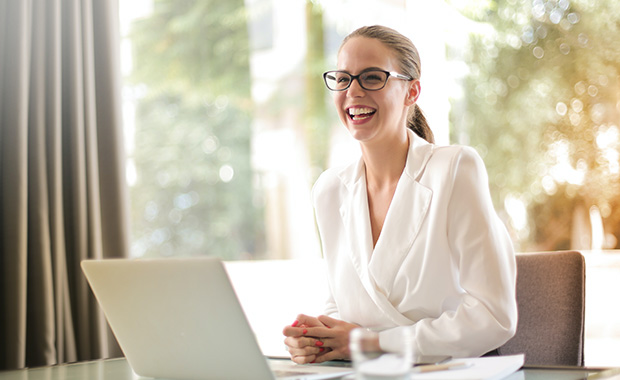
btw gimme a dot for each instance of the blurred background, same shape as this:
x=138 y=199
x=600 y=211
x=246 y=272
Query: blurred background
x=228 y=123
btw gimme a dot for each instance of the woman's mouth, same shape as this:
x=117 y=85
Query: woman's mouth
x=360 y=113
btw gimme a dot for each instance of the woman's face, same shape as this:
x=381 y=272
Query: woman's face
x=373 y=116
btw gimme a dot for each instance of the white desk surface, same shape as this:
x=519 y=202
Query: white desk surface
x=118 y=369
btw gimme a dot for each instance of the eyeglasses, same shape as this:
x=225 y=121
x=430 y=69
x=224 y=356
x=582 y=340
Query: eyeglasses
x=371 y=80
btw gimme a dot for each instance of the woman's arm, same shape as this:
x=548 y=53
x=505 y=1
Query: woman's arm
x=483 y=254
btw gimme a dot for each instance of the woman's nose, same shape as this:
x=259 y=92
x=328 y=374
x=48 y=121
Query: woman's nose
x=355 y=89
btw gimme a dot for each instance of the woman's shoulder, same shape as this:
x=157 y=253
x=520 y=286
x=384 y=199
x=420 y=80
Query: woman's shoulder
x=325 y=190
x=448 y=163
x=456 y=150
x=330 y=179
x=334 y=181
x=343 y=174
x=456 y=156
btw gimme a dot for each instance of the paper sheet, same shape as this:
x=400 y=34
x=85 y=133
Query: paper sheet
x=486 y=368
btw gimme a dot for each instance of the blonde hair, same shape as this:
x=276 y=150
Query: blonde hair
x=410 y=65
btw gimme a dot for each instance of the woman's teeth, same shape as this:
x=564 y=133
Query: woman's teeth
x=360 y=113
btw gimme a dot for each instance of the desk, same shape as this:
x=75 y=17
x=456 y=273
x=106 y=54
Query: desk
x=118 y=369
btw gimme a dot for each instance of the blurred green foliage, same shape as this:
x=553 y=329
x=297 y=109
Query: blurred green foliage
x=542 y=106
x=195 y=192
x=316 y=114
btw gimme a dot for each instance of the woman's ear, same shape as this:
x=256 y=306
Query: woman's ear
x=413 y=92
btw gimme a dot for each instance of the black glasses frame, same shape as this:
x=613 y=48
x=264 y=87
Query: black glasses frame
x=357 y=77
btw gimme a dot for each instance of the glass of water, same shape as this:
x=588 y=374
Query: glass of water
x=372 y=364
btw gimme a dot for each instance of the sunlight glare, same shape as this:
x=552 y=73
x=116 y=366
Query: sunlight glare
x=516 y=209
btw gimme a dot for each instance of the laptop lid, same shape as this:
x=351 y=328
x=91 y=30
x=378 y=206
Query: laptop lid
x=180 y=318
x=177 y=318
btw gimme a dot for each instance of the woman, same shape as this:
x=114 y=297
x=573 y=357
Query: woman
x=409 y=233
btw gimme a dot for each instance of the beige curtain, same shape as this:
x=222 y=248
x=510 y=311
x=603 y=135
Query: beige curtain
x=62 y=192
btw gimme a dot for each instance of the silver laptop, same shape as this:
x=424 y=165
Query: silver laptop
x=180 y=319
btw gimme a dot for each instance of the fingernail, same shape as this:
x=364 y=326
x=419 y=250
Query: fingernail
x=318 y=343
x=321 y=349
x=295 y=323
x=312 y=362
x=304 y=332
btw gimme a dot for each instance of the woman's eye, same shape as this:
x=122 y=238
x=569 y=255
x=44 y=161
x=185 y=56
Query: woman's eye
x=372 y=77
x=342 y=79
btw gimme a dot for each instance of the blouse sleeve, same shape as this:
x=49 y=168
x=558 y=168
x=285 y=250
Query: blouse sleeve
x=482 y=251
x=331 y=310
x=323 y=185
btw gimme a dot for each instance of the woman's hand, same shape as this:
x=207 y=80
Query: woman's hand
x=316 y=340
x=335 y=338
x=303 y=347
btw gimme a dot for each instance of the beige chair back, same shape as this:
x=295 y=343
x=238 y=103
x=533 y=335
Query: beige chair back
x=551 y=301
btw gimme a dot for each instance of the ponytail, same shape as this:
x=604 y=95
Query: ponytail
x=416 y=121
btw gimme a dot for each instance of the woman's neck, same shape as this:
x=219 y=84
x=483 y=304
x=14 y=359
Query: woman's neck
x=385 y=162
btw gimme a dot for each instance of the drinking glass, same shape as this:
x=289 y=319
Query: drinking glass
x=372 y=364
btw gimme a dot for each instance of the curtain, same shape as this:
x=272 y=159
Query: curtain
x=63 y=196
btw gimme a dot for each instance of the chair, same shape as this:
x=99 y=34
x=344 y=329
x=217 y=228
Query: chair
x=551 y=302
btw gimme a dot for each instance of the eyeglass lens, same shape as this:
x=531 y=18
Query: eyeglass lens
x=369 y=80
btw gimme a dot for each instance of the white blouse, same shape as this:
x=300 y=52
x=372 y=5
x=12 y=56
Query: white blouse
x=444 y=263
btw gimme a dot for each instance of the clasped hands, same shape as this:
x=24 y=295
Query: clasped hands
x=317 y=339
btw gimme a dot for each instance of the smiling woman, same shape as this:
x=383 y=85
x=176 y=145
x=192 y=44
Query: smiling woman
x=411 y=241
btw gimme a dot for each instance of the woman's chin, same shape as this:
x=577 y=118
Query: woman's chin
x=361 y=133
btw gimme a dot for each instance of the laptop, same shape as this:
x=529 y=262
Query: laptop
x=180 y=319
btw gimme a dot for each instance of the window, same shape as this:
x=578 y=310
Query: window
x=229 y=123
